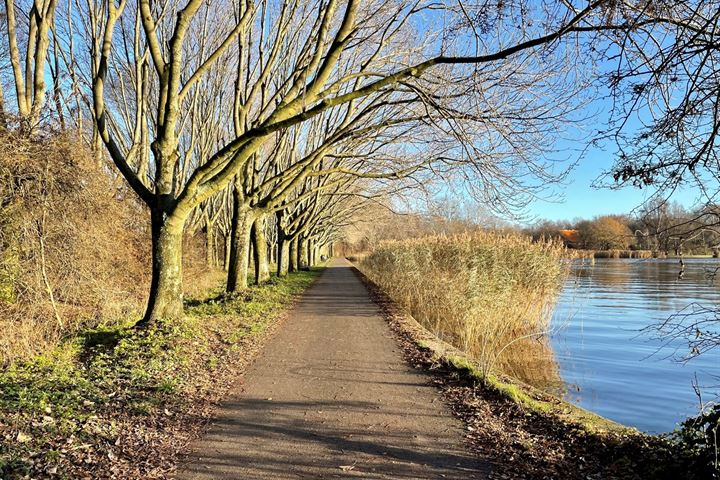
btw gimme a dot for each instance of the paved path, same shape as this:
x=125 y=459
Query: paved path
x=331 y=397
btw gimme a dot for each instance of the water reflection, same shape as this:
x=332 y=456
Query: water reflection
x=533 y=362
x=608 y=364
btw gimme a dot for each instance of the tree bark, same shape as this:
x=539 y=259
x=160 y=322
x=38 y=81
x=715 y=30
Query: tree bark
x=310 y=253
x=226 y=257
x=3 y=116
x=260 y=254
x=302 y=253
x=283 y=253
x=293 y=254
x=242 y=222
x=166 y=292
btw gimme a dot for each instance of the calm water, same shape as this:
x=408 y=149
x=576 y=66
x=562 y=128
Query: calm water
x=608 y=364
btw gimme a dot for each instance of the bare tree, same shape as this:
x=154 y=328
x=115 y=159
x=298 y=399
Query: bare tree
x=666 y=120
x=492 y=98
x=28 y=66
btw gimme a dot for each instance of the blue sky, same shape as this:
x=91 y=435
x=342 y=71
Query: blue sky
x=580 y=199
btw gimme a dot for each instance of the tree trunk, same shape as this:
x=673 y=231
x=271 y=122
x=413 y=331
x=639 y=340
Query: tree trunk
x=283 y=250
x=3 y=116
x=293 y=254
x=166 y=292
x=260 y=254
x=216 y=250
x=302 y=254
x=283 y=253
x=239 y=247
x=310 y=253
x=226 y=259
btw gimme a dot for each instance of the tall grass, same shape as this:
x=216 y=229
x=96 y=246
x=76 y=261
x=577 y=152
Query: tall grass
x=481 y=292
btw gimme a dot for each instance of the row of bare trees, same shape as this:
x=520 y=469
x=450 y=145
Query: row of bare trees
x=263 y=122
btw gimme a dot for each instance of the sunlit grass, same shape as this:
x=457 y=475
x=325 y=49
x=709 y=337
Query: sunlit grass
x=77 y=389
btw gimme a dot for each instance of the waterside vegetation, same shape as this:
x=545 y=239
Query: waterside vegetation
x=485 y=300
x=482 y=292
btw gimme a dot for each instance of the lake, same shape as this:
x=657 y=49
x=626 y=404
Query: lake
x=608 y=365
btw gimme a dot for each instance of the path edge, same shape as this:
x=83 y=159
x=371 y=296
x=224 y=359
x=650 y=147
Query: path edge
x=236 y=372
x=526 y=396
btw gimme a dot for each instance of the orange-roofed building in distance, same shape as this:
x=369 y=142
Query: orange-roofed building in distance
x=571 y=238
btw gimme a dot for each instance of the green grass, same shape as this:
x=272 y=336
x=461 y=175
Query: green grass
x=77 y=390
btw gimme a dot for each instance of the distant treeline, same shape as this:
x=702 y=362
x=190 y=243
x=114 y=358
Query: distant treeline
x=660 y=227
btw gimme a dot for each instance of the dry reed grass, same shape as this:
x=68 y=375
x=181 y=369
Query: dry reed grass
x=482 y=292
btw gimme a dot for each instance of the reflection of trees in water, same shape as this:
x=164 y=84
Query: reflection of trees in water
x=533 y=361
x=649 y=284
x=654 y=283
x=623 y=271
x=605 y=272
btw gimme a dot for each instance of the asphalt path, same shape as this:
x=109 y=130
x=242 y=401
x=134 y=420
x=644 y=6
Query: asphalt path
x=330 y=396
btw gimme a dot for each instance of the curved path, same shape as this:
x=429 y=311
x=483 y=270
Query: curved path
x=330 y=396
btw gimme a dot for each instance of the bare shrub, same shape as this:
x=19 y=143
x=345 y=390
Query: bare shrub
x=199 y=278
x=72 y=244
x=478 y=291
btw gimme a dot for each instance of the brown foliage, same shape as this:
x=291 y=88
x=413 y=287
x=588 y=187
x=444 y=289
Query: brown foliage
x=482 y=292
x=72 y=244
x=606 y=233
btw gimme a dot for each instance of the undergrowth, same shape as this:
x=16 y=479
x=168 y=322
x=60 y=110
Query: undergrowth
x=78 y=406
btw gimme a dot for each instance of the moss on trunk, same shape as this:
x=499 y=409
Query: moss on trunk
x=260 y=251
x=242 y=222
x=166 y=290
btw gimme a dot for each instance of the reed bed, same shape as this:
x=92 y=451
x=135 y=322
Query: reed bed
x=482 y=292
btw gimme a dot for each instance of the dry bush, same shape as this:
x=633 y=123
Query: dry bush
x=199 y=279
x=73 y=249
x=481 y=292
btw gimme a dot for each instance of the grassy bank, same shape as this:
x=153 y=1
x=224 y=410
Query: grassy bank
x=120 y=403
x=484 y=293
